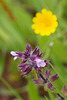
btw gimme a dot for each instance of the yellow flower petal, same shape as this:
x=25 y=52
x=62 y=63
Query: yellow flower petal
x=53 y=30
x=33 y=26
x=56 y=24
x=37 y=31
x=50 y=13
x=38 y=14
x=34 y=19
x=44 y=11
x=54 y=17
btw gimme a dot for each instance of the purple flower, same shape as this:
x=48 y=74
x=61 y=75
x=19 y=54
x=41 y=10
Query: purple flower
x=45 y=79
x=51 y=78
x=30 y=60
x=39 y=81
x=64 y=90
x=16 y=54
x=49 y=86
x=47 y=73
x=54 y=77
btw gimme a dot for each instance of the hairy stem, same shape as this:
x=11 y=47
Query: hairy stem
x=62 y=98
x=45 y=80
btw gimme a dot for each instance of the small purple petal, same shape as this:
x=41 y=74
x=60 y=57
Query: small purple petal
x=54 y=77
x=36 y=68
x=22 y=65
x=33 y=58
x=64 y=90
x=39 y=81
x=39 y=55
x=36 y=50
x=22 y=69
x=13 y=53
x=23 y=61
x=27 y=69
x=47 y=73
x=49 y=86
x=28 y=72
x=16 y=54
x=26 y=54
x=19 y=54
x=28 y=48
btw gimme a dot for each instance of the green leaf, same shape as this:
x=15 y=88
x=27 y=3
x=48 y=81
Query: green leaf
x=33 y=91
x=59 y=50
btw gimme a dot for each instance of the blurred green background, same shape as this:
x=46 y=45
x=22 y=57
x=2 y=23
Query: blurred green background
x=15 y=32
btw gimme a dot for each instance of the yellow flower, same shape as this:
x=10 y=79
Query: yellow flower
x=45 y=23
